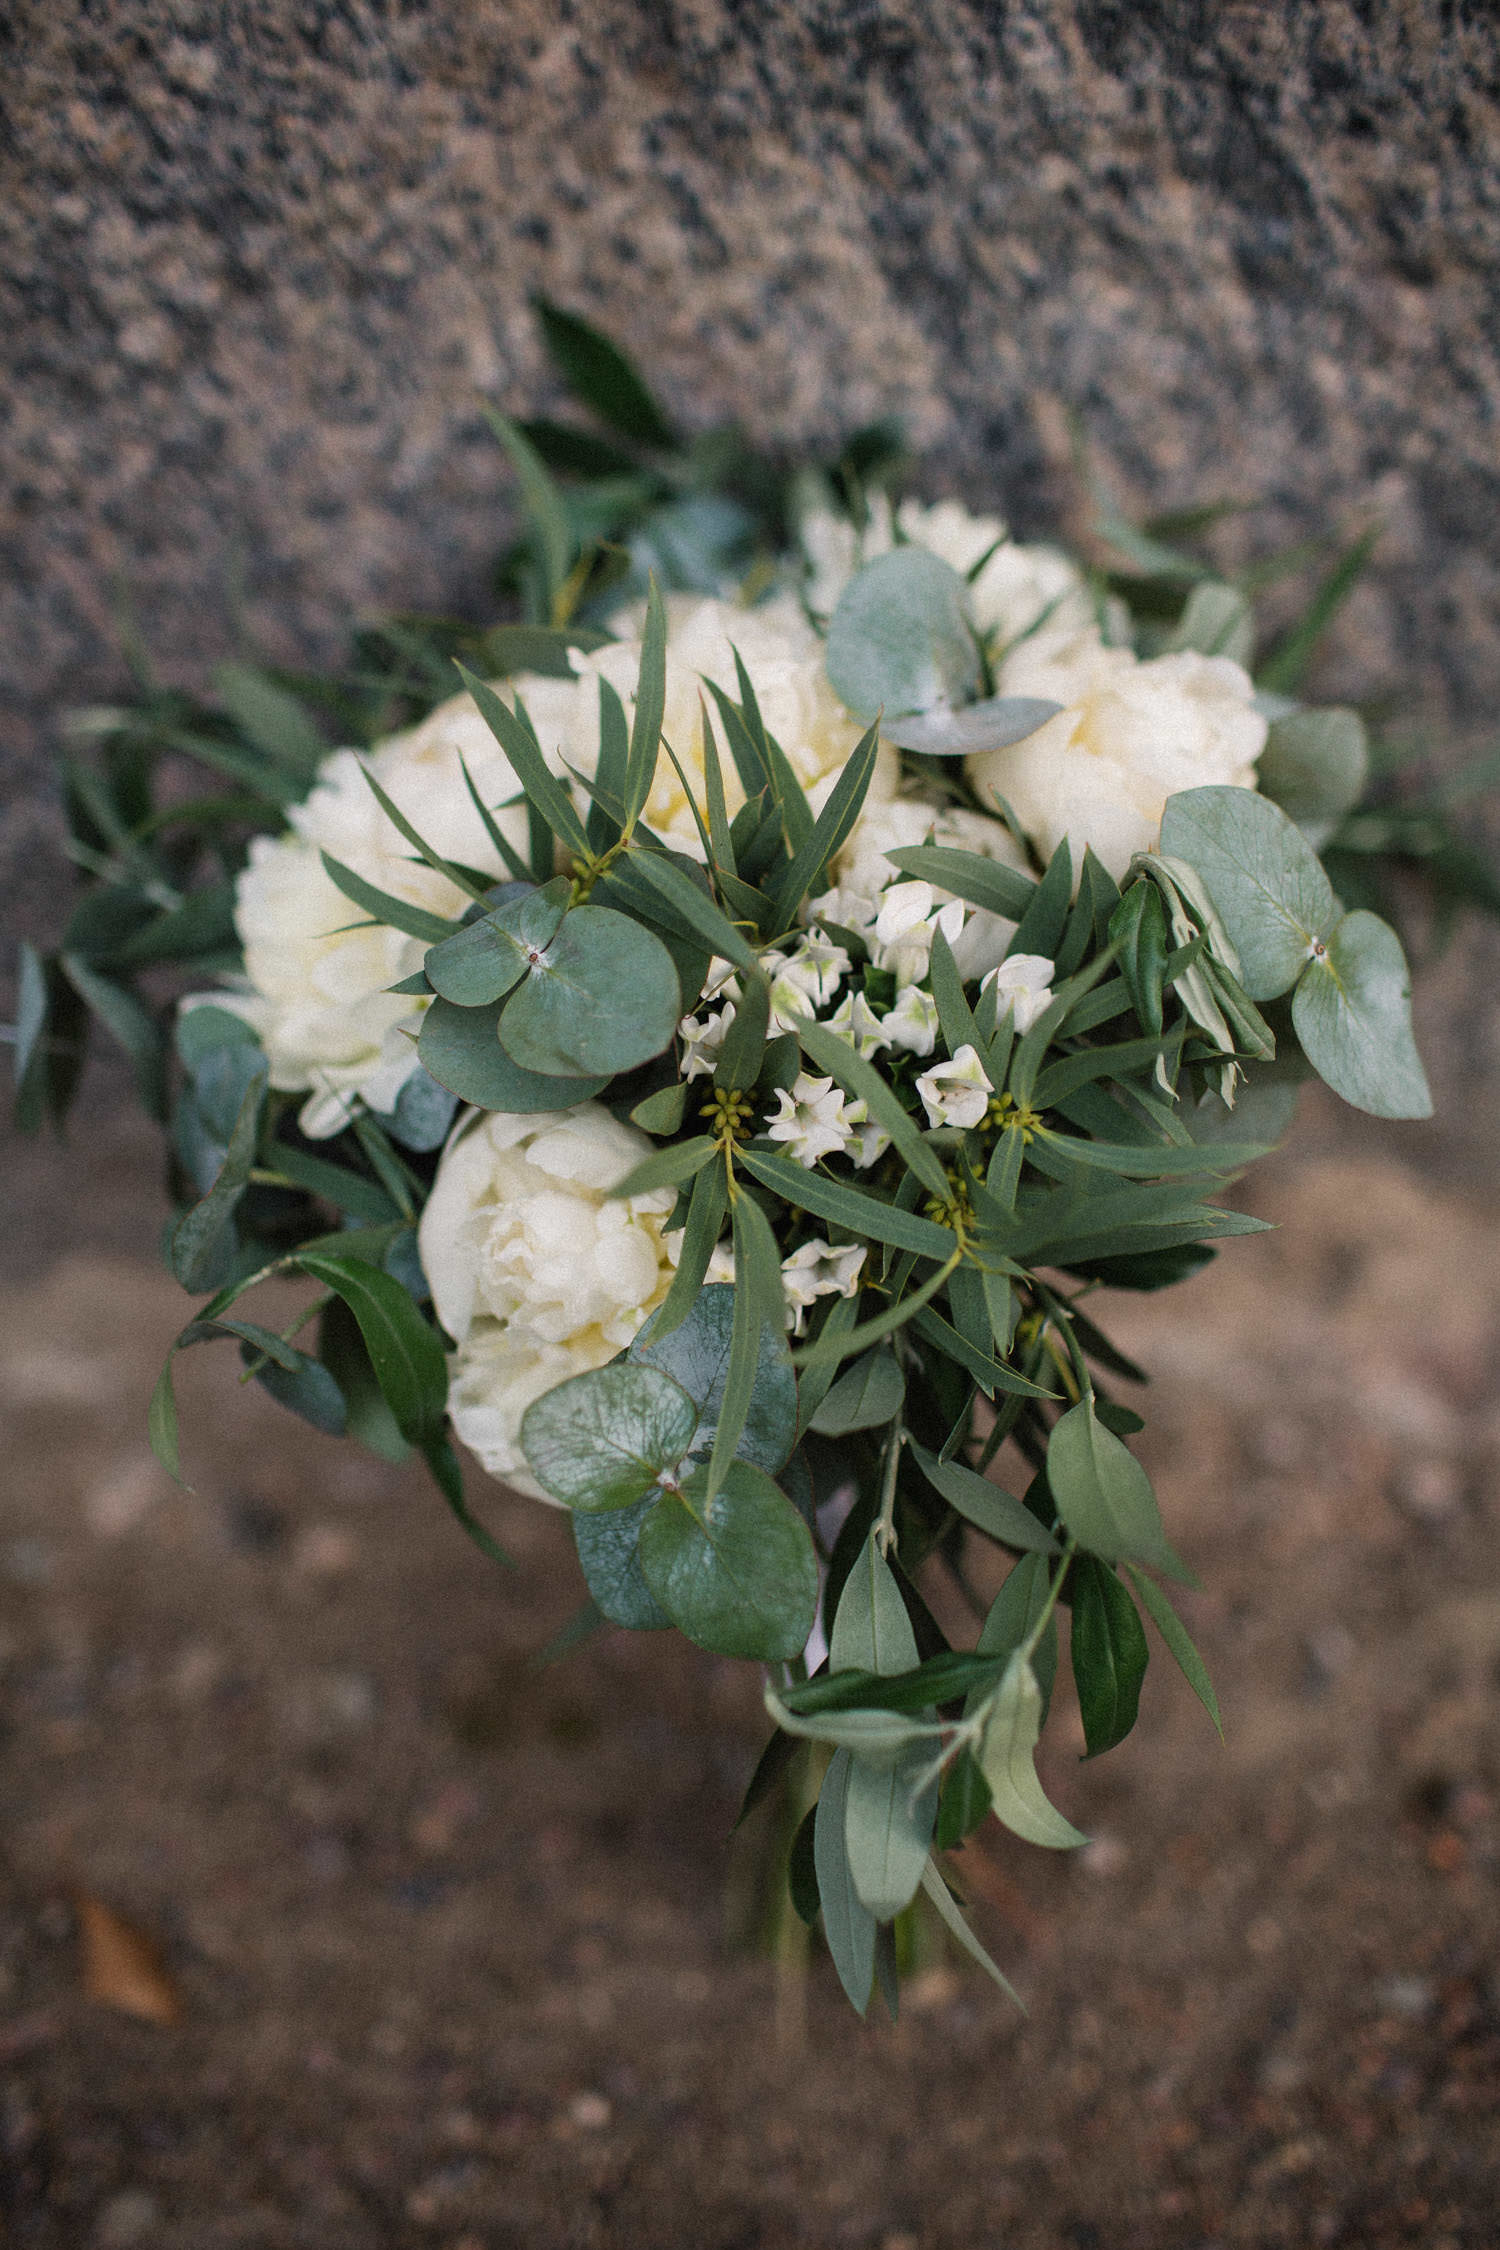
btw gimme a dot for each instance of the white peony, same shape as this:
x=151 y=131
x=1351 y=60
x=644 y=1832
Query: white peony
x=1132 y=732
x=783 y=657
x=535 y=1273
x=319 y=989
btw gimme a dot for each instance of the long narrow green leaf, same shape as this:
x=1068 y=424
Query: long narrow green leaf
x=610 y=772
x=980 y=882
x=544 y=506
x=987 y=1373
x=705 y=1217
x=947 y=1906
x=669 y=1167
x=130 y=1023
x=458 y=876
x=831 y=828
x=601 y=377
x=757 y=1304
x=717 y=804
x=699 y=912
x=796 y=814
x=1179 y=1643
x=650 y=706
x=955 y=1016
x=1281 y=672
x=844 y=1205
x=415 y=921
x=544 y=792
x=506 y=852
x=860 y=1078
x=831 y=1349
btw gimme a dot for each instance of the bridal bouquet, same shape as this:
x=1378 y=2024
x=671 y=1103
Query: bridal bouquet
x=707 y=1062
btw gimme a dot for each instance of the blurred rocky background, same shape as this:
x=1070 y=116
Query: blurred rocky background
x=259 y=264
x=325 y=1917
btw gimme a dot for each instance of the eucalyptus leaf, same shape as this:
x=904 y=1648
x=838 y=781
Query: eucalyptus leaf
x=992 y=725
x=900 y=639
x=1217 y=620
x=482 y=961
x=608 y=1542
x=1352 y=1013
x=603 y=997
x=1315 y=765
x=736 y=1573
x=1263 y=876
x=460 y=1048
x=603 y=1439
x=696 y=1355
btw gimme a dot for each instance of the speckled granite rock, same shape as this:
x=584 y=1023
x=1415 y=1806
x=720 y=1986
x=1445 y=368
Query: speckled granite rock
x=260 y=261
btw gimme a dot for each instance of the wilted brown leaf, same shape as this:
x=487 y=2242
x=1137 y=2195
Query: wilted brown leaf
x=122 y=1966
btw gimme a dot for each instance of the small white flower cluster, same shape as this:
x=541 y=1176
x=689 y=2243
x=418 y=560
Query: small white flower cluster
x=814 y=1118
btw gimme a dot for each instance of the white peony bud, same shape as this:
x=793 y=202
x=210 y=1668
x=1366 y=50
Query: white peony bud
x=535 y=1272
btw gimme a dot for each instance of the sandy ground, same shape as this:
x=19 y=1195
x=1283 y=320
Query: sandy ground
x=452 y=1941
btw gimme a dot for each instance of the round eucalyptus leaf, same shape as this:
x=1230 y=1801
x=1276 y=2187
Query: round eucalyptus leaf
x=696 y=1355
x=737 y=1574
x=1352 y=1013
x=1314 y=765
x=992 y=725
x=460 y=1048
x=603 y=997
x=1263 y=876
x=423 y=1112
x=607 y=1543
x=602 y=1439
x=1216 y=620
x=900 y=639
x=477 y=965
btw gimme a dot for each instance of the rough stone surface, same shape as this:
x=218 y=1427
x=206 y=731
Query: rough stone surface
x=258 y=265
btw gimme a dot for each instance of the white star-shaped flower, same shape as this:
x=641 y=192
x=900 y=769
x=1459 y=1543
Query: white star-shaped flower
x=812 y=1121
x=905 y=928
x=955 y=1092
x=855 y=1020
x=818 y=967
x=913 y=1023
x=818 y=1270
x=870 y=1140
x=1023 y=987
x=702 y=1037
